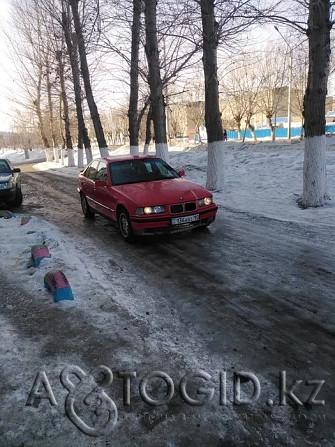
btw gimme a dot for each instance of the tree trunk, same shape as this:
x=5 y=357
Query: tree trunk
x=239 y=130
x=87 y=82
x=51 y=114
x=61 y=130
x=198 y=132
x=133 y=100
x=212 y=109
x=155 y=81
x=314 y=171
x=72 y=49
x=37 y=104
x=252 y=130
x=302 y=128
x=82 y=129
x=148 y=132
x=68 y=139
x=272 y=127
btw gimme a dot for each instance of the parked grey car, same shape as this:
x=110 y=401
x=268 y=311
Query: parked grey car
x=10 y=184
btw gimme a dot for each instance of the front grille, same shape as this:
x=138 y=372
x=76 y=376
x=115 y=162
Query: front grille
x=175 y=209
x=191 y=206
x=182 y=207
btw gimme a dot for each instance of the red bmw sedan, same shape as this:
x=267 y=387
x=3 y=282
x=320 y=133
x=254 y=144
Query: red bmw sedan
x=143 y=195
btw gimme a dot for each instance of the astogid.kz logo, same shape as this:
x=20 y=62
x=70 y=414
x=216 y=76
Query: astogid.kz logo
x=92 y=411
x=86 y=394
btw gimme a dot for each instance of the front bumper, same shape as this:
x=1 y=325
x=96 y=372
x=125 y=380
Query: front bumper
x=155 y=225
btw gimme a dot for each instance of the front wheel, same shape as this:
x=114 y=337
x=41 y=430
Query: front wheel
x=125 y=226
x=18 y=198
x=88 y=212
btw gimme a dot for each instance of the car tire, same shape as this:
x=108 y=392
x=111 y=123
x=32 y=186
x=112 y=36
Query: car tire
x=18 y=198
x=124 y=225
x=87 y=210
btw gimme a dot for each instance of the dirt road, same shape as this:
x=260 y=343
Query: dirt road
x=250 y=294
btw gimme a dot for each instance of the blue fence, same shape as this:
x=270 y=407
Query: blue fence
x=280 y=133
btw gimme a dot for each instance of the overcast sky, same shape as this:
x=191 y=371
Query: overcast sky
x=6 y=81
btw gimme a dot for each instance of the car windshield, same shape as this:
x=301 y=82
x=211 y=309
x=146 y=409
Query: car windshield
x=4 y=167
x=140 y=170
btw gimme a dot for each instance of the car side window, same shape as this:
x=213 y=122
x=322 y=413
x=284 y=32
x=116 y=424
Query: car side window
x=102 y=172
x=92 y=170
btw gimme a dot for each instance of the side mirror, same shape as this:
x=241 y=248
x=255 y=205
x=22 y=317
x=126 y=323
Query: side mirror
x=100 y=183
x=16 y=170
x=181 y=173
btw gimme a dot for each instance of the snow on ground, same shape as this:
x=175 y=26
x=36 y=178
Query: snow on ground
x=18 y=155
x=263 y=178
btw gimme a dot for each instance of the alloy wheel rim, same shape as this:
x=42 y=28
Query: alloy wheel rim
x=124 y=225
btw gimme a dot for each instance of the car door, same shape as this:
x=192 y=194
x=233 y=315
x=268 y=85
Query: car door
x=102 y=190
x=88 y=183
x=112 y=194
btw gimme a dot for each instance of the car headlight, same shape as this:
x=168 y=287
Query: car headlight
x=7 y=185
x=150 y=210
x=206 y=201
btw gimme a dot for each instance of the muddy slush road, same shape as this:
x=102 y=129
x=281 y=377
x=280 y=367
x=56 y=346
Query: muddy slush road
x=250 y=294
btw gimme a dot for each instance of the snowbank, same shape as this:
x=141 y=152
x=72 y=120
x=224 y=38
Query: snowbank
x=263 y=178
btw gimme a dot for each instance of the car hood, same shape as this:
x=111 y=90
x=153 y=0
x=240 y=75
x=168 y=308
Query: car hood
x=4 y=177
x=162 y=192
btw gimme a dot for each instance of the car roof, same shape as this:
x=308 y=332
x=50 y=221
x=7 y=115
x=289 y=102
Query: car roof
x=114 y=158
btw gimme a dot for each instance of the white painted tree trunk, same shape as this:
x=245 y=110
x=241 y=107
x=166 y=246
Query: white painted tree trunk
x=314 y=177
x=146 y=149
x=104 y=151
x=162 y=151
x=134 y=150
x=215 y=166
x=48 y=154
x=89 y=157
x=70 y=158
x=26 y=154
x=56 y=154
x=62 y=156
x=80 y=157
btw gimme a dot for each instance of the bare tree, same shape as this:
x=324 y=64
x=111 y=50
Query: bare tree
x=210 y=29
x=51 y=107
x=134 y=75
x=299 y=84
x=177 y=115
x=86 y=79
x=33 y=64
x=178 y=49
x=272 y=76
x=314 y=175
x=236 y=102
x=148 y=131
x=66 y=118
x=115 y=122
x=155 y=81
x=72 y=48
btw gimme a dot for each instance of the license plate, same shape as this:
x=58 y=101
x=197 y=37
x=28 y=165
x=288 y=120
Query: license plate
x=185 y=219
